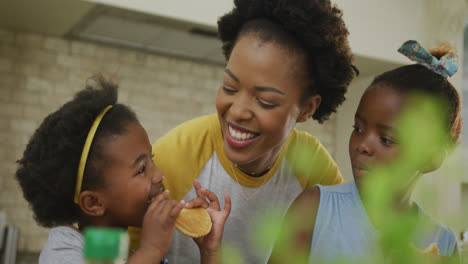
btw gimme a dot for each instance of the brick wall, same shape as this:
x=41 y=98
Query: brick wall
x=39 y=73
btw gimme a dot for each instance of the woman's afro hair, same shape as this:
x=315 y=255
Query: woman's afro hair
x=48 y=169
x=315 y=28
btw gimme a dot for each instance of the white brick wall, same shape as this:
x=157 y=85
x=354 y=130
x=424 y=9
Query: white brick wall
x=39 y=73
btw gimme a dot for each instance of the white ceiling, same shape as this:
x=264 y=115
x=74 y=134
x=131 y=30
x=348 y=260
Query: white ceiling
x=150 y=33
x=126 y=28
x=94 y=22
x=50 y=17
x=203 y=12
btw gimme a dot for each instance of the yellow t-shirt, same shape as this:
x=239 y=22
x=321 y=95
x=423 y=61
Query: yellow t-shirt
x=195 y=150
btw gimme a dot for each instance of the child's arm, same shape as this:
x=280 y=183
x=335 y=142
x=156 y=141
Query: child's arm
x=456 y=257
x=432 y=255
x=157 y=230
x=210 y=245
x=429 y=255
x=295 y=238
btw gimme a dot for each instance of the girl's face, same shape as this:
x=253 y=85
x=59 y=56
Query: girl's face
x=130 y=176
x=258 y=102
x=374 y=140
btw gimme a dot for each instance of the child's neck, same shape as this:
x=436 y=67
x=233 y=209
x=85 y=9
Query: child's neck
x=96 y=222
x=400 y=202
x=74 y=228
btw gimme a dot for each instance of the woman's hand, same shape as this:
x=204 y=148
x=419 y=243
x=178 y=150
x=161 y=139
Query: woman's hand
x=158 y=229
x=210 y=244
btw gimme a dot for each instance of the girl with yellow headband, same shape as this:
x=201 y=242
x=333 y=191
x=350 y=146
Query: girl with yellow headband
x=90 y=164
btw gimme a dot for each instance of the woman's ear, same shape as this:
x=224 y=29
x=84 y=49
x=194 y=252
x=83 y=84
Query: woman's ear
x=91 y=203
x=309 y=107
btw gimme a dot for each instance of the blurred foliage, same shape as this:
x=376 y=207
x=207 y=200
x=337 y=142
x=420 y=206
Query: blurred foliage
x=231 y=255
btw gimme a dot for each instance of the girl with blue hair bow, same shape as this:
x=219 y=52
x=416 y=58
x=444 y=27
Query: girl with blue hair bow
x=344 y=223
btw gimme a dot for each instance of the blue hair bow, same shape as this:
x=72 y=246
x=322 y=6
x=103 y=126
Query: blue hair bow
x=446 y=66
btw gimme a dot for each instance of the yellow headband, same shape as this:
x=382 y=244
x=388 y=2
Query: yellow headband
x=84 y=154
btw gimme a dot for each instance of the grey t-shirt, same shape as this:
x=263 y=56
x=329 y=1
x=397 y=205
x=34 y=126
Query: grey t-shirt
x=64 y=245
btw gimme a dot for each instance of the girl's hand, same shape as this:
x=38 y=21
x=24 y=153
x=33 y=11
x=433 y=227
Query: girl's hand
x=158 y=226
x=210 y=244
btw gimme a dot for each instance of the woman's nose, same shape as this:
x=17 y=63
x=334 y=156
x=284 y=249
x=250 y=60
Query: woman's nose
x=241 y=108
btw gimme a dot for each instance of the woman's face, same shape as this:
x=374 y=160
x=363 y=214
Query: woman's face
x=258 y=102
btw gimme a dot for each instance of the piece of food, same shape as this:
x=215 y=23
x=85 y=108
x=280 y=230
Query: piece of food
x=195 y=222
x=431 y=250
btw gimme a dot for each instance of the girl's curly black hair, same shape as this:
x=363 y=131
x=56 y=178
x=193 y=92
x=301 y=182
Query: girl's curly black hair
x=48 y=169
x=416 y=78
x=314 y=28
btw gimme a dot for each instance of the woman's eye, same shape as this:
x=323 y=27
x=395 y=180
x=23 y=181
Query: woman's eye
x=228 y=90
x=266 y=105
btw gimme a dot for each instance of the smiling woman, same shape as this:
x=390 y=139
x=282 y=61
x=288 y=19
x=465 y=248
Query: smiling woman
x=275 y=77
x=262 y=107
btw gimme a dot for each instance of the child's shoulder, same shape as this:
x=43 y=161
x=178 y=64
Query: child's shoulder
x=63 y=245
x=344 y=188
x=308 y=196
x=63 y=234
x=312 y=196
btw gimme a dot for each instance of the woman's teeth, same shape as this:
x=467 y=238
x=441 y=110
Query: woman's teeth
x=237 y=135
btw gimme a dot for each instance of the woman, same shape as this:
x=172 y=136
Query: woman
x=287 y=61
